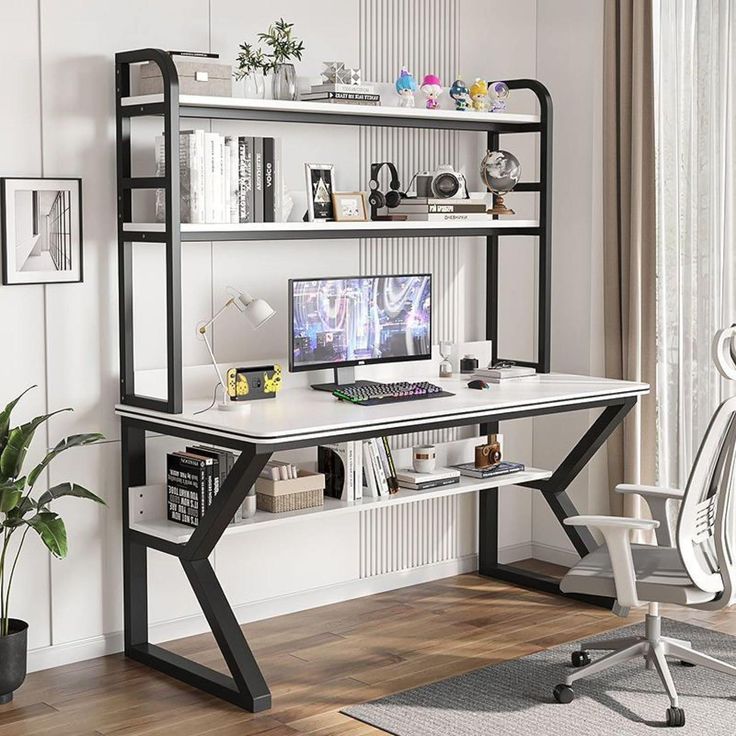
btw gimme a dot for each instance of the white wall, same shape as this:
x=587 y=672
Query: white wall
x=57 y=61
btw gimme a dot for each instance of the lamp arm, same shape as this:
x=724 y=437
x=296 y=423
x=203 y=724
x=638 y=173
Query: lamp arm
x=206 y=325
x=214 y=362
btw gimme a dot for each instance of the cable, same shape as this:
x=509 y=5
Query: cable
x=214 y=399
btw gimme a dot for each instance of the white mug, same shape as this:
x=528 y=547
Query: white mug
x=424 y=458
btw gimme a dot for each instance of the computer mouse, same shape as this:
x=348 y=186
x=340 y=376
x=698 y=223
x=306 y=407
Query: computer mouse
x=477 y=383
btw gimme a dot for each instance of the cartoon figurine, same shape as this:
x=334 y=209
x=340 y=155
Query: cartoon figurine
x=459 y=92
x=500 y=93
x=479 y=95
x=432 y=89
x=406 y=86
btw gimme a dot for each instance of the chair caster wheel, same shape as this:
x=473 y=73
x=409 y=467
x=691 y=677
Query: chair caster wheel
x=564 y=694
x=675 y=717
x=580 y=659
x=686 y=664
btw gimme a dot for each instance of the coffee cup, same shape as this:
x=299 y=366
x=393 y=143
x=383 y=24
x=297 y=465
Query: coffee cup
x=424 y=458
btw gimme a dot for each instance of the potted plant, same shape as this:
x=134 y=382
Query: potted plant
x=284 y=47
x=21 y=511
x=252 y=65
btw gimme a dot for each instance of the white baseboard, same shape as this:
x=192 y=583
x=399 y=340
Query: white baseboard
x=537 y=551
x=100 y=646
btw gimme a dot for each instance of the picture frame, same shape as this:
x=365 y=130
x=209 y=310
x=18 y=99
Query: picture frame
x=41 y=230
x=349 y=207
x=320 y=181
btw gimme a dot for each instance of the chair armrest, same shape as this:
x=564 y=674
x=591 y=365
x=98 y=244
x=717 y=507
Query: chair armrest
x=650 y=491
x=616 y=532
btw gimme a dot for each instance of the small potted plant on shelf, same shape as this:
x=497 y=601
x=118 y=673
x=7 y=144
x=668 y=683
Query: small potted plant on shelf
x=22 y=511
x=252 y=66
x=284 y=47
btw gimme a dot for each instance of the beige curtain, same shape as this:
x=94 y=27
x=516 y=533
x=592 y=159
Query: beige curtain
x=629 y=237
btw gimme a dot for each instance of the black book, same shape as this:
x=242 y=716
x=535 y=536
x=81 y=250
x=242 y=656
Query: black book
x=186 y=484
x=245 y=178
x=269 y=179
x=332 y=461
x=257 y=179
x=215 y=455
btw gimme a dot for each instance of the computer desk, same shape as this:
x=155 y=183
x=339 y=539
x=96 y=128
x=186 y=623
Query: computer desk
x=300 y=417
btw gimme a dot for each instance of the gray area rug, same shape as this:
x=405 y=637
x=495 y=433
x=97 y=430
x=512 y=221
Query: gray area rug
x=515 y=698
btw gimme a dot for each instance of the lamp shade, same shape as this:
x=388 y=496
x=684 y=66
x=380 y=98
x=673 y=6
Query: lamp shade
x=258 y=311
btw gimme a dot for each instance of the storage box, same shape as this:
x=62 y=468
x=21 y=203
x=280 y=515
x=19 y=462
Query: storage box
x=305 y=492
x=196 y=77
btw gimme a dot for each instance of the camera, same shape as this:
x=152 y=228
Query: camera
x=443 y=183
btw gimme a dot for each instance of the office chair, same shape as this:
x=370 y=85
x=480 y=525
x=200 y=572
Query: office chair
x=691 y=565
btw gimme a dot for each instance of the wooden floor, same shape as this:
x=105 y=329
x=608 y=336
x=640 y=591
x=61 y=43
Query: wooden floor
x=316 y=662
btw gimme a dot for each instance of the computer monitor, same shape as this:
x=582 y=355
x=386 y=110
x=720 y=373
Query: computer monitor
x=339 y=323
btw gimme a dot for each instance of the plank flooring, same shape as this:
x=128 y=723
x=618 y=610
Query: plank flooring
x=318 y=661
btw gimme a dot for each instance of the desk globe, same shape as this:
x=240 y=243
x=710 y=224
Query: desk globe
x=500 y=172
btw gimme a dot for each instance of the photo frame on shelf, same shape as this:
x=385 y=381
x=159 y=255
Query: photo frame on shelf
x=41 y=230
x=349 y=206
x=320 y=180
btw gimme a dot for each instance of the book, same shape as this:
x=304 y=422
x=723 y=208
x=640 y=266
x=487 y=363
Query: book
x=336 y=462
x=409 y=478
x=319 y=96
x=333 y=101
x=503 y=468
x=211 y=169
x=368 y=89
x=232 y=143
x=429 y=484
x=269 y=180
x=382 y=484
x=196 y=168
x=223 y=461
x=498 y=375
x=456 y=206
x=257 y=179
x=387 y=464
x=245 y=179
x=358 y=469
x=372 y=489
x=186 y=487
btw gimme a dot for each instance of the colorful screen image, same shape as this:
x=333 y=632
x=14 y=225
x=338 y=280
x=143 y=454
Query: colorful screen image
x=359 y=320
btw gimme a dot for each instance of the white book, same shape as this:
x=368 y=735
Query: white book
x=409 y=475
x=371 y=490
x=160 y=158
x=358 y=469
x=210 y=174
x=185 y=178
x=381 y=479
x=223 y=203
x=234 y=170
x=226 y=180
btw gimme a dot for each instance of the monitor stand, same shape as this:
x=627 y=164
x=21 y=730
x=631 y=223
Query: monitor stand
x=343 y=377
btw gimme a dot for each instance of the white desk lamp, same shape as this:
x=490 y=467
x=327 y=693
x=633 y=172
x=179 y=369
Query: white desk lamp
x=258 y=312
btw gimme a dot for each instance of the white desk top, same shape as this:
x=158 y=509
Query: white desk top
x=301 y=413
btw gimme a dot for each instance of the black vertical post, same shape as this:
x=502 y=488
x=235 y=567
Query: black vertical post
x=492 y=273
x=544 y=305
x=135 y=570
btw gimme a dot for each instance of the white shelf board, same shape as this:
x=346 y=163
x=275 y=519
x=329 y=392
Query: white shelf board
x=179 y=533
x=378 y=111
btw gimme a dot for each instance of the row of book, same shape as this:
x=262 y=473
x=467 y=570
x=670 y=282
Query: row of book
x=224 y=179
x=193 y=479
x=428 y=209
x=343 y=94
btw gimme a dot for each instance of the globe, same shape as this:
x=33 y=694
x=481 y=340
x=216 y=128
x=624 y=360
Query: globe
x=500 y=171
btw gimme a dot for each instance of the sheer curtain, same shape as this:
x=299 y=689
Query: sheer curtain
x=695 y=109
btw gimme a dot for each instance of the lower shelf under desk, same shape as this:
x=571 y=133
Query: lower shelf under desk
x=148 y=505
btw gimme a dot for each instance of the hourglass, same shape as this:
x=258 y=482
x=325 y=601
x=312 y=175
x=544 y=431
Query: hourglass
x=445 y=365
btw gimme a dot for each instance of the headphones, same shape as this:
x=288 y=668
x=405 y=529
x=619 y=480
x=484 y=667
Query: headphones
x=392 y=198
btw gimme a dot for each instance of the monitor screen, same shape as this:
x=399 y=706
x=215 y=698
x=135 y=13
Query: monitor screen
x=356 y=321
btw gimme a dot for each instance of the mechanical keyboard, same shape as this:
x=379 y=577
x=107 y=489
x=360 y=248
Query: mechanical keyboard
x=389 y=393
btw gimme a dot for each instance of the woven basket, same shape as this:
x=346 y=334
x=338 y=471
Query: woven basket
x=290 y=501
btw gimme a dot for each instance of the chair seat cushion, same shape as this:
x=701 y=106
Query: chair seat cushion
x=660 y=576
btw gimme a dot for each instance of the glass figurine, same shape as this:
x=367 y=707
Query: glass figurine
x=460 y=93
x=445 y=366
x=479 y=95
x=499 y=95
x=432 y=89
x=406 y=86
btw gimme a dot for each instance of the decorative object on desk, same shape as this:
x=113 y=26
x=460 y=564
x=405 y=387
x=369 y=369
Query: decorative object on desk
x=503 y=468
x=349 y=207
x=20 y=513
x=335 y=72
x=254 y=382
x=432 y=89
x=479 y=95
x=249 y=507
x=41 y=230
x=377 y=199
x=445 y=348
x=406 y=87
x=468 y=364
x=424 y=458
x=424 y=481
x=258 y=313
x=488 y=455
x=320 y=185
x=252 y=66
x=199 y=73
x=442 y=183
x=460 y=94
x=306 y=491
x=284 y=47
x=500 y=172
x=499 y=95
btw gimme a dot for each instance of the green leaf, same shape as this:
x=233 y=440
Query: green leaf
x=75 y=440
x=67 y=489
x=19 y=438
x=11 y=494
x=5 y=418
x=17 y=513
x=52 y=531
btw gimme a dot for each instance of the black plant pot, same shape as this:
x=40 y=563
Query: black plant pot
x=13 y=655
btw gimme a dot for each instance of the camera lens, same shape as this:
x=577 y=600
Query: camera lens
x=445 y=185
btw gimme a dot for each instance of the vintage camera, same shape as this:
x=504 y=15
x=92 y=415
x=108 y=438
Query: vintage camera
x=488 y=456
x=443 y=183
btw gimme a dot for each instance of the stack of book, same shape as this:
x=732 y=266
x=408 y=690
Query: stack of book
x=379 y=468
x=224 y=179
x=193 y=479
x=503 y=468
x=343 y=94
x=500 y=375
x=440 y=210
x=422 y=481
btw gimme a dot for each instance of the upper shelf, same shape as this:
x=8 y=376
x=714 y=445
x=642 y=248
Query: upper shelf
x=156 y=232
x=200 y=106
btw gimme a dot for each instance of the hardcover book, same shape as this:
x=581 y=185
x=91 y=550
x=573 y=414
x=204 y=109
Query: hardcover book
x=503 y=468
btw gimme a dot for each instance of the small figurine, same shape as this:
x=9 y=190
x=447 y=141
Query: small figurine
x=460 y=93
x=479 y=95
x=500 y=93
x=432 y=89
x=406 y=86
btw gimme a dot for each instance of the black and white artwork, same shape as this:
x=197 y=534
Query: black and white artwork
x=320 y=185
x=41 y=230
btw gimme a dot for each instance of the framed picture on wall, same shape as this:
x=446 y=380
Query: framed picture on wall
x=320 y=185
x=41 y=230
